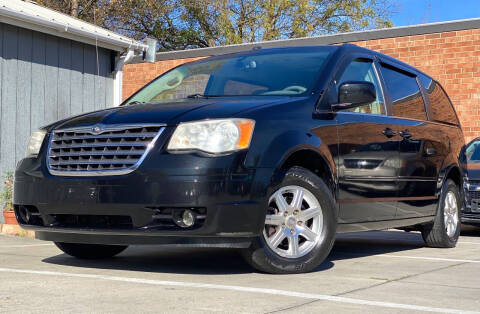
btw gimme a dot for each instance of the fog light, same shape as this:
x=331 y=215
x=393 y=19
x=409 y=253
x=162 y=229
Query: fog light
x=188 y=218
x=185 y=218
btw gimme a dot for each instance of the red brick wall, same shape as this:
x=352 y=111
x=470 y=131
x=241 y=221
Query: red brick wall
x=453 y=58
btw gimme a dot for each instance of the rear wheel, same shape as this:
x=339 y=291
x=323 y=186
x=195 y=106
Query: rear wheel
x=445 y=229
x=300 y=226
x=90 y=251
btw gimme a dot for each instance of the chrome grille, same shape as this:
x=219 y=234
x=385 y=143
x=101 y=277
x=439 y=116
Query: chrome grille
x=474 y=194
x=100 y=149
x=474 y=182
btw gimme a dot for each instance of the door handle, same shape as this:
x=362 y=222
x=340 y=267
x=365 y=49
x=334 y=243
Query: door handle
x=389 y=132
x=405 y=134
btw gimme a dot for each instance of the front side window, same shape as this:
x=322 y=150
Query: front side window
x=275 y=72
x=363 y=70
x=442 y=109
x=407 y=99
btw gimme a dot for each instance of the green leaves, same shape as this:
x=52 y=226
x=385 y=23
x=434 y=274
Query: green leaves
x=6 y=195
x=187 y=24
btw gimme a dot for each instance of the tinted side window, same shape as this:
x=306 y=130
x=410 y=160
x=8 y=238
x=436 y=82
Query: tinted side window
x=406 y=96
x=442 y=109
x=363 y=70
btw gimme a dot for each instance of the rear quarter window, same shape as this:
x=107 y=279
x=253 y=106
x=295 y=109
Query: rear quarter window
x=440 y=106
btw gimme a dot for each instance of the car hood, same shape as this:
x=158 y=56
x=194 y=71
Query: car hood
x=472 y=171
x=171 y=113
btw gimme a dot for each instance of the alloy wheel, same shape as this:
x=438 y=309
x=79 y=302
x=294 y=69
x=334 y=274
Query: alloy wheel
x=450 y=214
x=294 y=222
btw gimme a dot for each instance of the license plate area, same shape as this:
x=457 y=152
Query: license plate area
x=73 y=195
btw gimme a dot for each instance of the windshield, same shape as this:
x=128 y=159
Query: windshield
x=276 y=72
x=472 y=153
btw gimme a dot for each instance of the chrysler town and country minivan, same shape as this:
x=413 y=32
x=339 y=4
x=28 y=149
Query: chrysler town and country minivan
x=271 y=151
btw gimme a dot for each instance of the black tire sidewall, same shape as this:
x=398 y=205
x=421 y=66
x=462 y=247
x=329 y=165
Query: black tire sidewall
x=263 y=258
x=435 y=234
x=450 y=186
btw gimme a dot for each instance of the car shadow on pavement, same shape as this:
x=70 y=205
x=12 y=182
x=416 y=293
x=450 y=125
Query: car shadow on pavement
x=161 y=259
x=362 y=244
x=469 y=230
x=164 y=259
x=170 y=260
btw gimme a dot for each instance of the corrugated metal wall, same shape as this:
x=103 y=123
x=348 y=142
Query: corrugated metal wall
x=43 y=79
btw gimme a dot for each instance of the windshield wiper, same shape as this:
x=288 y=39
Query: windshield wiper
x=136 y=102
x=197 y=96
x=204 y=96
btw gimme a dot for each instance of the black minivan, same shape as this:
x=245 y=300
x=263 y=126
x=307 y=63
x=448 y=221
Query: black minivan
x=270 y=151
x=470 y=162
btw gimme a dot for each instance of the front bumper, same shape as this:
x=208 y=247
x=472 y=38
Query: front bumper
x=470 y=219
x=88 y=209
x=471 y=211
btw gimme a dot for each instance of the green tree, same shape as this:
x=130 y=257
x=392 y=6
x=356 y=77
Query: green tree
x=184 y=24
x=161 y=19
x=93 y=11
x=240 y=21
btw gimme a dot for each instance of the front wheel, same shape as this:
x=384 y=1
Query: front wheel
x=300 y=226
x=445 y=230
x=90 y=251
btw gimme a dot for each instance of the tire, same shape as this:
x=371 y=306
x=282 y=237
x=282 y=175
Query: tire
x=436 y=234
x=270 y=252
x=90 y=251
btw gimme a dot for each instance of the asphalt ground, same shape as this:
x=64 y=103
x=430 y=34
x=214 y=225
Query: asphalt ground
x=384 y=272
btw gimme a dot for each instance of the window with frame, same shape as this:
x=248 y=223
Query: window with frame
x=364 y=70
x=268 y=73
x=441 y=107
x=472 y=152
x=407 y=100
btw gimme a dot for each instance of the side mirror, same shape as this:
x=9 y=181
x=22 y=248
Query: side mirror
x=355 y=94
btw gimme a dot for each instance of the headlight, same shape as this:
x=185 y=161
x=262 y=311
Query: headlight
x=213 y=136
x=35 y=142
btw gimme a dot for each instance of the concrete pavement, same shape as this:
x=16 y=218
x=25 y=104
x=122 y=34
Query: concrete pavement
x=388 y=271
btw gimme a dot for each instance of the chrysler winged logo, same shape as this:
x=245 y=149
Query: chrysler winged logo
x=97 y=129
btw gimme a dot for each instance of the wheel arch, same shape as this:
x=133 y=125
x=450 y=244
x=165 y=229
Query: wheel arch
x=312 y=160
x=454 y=173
